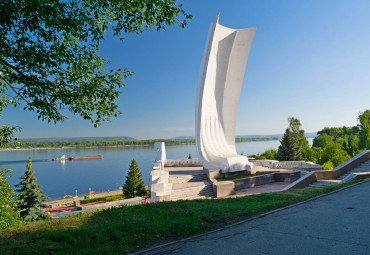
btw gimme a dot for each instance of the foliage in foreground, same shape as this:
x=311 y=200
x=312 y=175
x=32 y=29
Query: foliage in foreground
x=49 y=56
x=30 y=199
x=9 y=214
x=122 y=230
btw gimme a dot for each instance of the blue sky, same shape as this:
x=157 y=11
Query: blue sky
x=309 y=59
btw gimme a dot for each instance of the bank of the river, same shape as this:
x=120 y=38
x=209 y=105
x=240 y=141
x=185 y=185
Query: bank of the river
x=114 y=144
x=77 y=147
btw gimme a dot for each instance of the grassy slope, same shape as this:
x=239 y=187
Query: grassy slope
x=122 y=230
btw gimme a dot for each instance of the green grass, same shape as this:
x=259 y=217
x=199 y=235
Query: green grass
x=126 y=229
x=243 y=176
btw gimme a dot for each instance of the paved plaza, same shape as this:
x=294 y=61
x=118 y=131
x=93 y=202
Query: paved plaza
x=338 y=223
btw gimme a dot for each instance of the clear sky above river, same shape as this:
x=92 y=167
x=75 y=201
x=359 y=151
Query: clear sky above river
x=309 y=59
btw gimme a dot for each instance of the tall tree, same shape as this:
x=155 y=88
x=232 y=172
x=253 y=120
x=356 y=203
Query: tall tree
x=9 y=214
x=288 y=149
x=134 y=184
x=364 y=119
x=30 y=198
x=49 y=52
x=295 y=127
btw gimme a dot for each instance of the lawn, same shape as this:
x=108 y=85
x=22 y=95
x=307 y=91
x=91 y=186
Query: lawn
x=127 y=229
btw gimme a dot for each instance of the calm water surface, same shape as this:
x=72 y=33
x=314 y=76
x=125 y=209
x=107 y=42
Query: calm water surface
x=59 y=179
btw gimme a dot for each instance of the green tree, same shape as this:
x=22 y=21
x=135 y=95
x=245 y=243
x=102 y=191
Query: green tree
x=9 y=214
x=268 y=154
x=288 y=149
x=134 y=184
x=364 y=119
x=30 y=198
x=295 y=127
x=334 y=153
x=49 y=53
x=322 y=140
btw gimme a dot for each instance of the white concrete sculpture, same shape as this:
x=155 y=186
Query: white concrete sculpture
x=220 y=79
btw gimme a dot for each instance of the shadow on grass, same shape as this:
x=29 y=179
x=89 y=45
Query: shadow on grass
x=126 y=229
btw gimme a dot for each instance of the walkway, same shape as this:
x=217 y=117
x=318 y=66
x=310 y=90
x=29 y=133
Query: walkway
x=335 y=224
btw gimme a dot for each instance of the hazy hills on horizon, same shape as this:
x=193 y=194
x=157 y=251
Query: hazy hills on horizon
x=129 y=138
x=308 y=135
x=78 y=139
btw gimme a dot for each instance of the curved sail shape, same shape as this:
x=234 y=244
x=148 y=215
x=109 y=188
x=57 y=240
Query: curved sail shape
x=220 y=79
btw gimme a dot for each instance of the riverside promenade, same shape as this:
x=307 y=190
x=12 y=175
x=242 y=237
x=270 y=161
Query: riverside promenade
x=337 y=223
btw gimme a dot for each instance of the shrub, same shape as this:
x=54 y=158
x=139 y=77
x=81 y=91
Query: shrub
x=105 y=199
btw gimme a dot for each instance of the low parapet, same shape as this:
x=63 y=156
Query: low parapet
x=274 y=164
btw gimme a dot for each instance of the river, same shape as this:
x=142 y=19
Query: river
x=59 y=179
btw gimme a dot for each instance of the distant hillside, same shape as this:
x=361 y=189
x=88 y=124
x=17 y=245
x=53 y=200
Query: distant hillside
x=77 y=139
x=184 y=138
x=308 y=135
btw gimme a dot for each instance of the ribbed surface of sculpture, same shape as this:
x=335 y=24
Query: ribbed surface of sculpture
x=220 y=79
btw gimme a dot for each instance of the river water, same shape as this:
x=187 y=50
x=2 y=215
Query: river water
x=59 y=179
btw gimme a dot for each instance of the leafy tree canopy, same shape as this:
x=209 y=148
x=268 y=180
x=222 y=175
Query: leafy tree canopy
x=364 y=135
x=9 y=215
x=268 y=154
x=49 y=52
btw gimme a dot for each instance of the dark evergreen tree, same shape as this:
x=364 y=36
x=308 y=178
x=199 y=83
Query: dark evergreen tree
x=289 y=148
x=134 y=185
x=30 y=198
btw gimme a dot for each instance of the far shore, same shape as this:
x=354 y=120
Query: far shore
x=84 y=147
x=106 y=146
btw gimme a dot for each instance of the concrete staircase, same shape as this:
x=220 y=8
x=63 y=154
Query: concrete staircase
x=198 y=177
x=197 y=192
x=364 y=167
x=188 y=186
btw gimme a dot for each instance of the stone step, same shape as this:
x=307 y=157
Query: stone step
x=192 y=198
x=323 y=183
x=198 y=192
x=208 y=193
x=364 y=165
x=181 y=196
x=193 y=190
x=186 y=178
x=361 y=168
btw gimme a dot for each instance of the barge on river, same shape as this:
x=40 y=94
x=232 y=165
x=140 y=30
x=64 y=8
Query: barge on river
x=63 y=157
